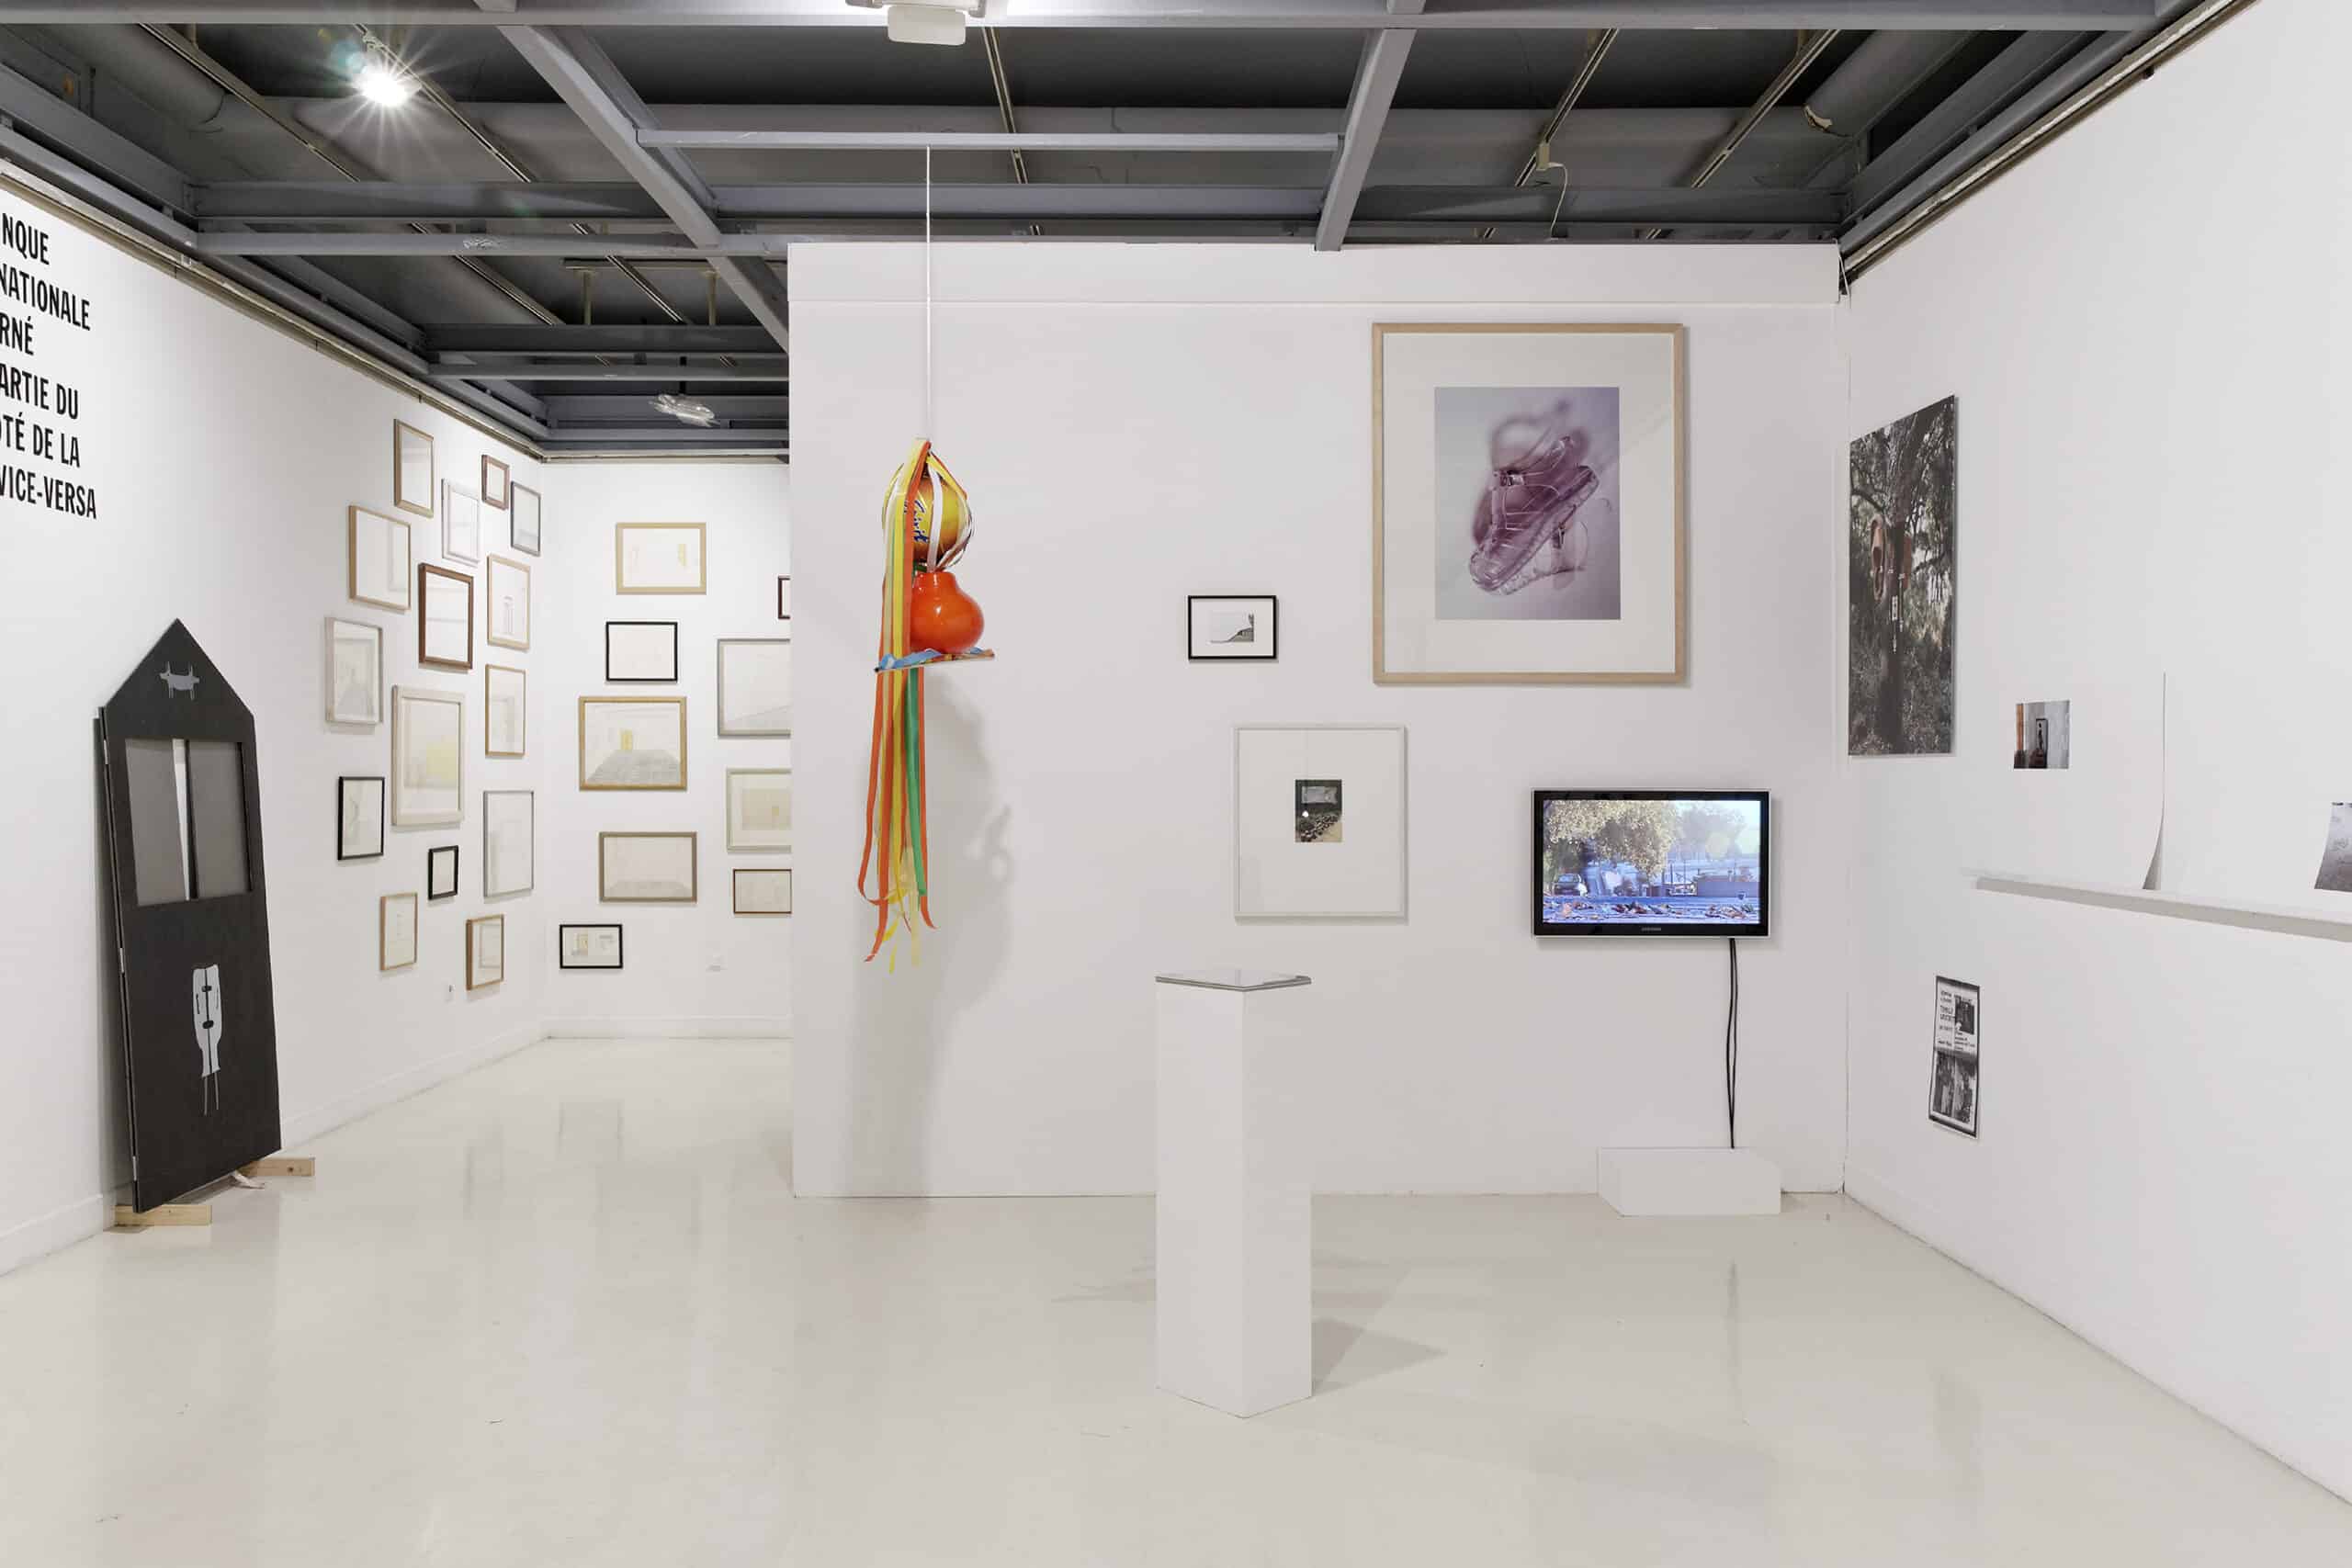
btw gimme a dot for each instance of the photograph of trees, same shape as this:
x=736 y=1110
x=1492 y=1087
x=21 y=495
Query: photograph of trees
x=1900 y=585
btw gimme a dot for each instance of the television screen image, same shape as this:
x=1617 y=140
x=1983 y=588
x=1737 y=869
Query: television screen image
x=1652 y=863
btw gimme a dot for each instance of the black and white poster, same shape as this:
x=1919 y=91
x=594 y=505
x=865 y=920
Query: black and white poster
x=1952 y=1091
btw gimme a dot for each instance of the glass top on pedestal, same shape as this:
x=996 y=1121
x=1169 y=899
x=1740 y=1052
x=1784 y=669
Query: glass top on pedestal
x=1232 y=979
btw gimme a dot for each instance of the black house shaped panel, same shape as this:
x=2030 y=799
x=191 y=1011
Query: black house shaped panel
x=191 y=920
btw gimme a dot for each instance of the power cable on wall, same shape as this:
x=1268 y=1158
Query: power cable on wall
x=1731 y=1053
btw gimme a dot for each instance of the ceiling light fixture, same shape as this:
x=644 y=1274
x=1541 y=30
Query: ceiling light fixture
x=384 y=82
x=925 y=21
x=685 y=409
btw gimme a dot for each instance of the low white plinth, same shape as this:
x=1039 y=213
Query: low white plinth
x=1235 y=1312
x=1690 y=1181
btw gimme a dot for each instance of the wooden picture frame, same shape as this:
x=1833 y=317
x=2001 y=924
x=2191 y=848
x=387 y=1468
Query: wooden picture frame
x=412 y=491
x=640 y=650
x=637 y=566
x=441 y=870
x=485 y=952
x=1482 y=606
x=494 y=482
x=526 y=518
x=765 y=882
x=360 y=816
x=757 y=822
x=395 y=936
x=428 y=624
x=355 y=696
x=609 y=876
x=460 y=524
x=502 y=685
x=586 y=951
x=425 y=720
x=381 y=550
x=621 y=765
x=506 y=610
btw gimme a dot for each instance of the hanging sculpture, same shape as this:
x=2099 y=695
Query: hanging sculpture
x=926 y=619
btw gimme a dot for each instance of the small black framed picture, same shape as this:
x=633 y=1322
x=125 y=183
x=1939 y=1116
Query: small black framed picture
x=588 y=947
x=641 y=651
x=1951 y=1087
x=359 y=818
x=1229 y=625
x=783 y=598
x=441 y=872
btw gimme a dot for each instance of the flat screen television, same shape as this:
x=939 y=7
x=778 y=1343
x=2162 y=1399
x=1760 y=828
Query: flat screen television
x=1653 y=863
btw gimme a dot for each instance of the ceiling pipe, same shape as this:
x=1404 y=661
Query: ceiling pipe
x=143 y=65
x=1809 y=48
x=1873 y=80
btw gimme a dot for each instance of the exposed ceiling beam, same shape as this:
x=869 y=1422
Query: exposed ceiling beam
x=1362 y=16
x=525 y=369
x=805 y=205
x=2026 y=61
x=1310 y=141
x=33 y=109
x=690 y=338
x=584 y=78
x=343 y=242
x=1377 y=73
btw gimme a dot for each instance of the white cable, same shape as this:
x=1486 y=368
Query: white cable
x=927 y=413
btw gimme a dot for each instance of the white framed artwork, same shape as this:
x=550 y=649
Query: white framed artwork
x=647 y=868
x=755 y=685
x=508 y=622
x=759 y=810
x=412 y=470
x=460 y=523
x=509 y=841
x=354 y=672
x=659 y=558
x=428 y=756
x=395 y=930
x=523 y=515
x=380 y=558
x=504 y=710
x=1527 y=502
x=1318 y=821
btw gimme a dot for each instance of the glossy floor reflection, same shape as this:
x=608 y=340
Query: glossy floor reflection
x=565 y=1310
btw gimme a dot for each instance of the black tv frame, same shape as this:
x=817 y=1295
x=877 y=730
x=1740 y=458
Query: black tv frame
x=1761 y=926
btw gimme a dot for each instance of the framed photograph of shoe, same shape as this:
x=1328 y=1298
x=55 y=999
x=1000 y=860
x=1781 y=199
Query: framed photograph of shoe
x=1527 y=502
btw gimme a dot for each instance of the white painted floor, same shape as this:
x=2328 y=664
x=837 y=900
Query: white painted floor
x=565 y=1312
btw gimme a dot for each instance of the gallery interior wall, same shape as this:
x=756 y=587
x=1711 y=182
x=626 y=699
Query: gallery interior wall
x=1136 y=424
x=225 y=455
x=689 y=969
x=2151 y=473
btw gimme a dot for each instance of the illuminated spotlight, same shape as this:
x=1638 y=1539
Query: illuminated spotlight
x=382 y=82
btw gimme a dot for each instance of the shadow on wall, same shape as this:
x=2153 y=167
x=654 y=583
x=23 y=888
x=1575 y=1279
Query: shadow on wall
x=895 y=1038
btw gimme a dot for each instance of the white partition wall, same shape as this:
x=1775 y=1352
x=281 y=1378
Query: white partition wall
x=1137 y=424
x=2152 y=481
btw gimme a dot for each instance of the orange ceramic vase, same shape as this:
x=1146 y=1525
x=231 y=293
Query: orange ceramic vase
x=944 y=619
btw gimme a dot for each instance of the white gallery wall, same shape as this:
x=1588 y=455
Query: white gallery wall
x=1136 y=424
x=2146 y=331
x=689 y=969
x=225 y=455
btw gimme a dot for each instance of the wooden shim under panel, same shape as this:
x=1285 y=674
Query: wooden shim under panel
x=282 y=1165
x=127 y=1218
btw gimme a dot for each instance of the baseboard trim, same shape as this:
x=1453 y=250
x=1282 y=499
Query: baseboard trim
x=304 y=1126
x=58 y=1229
x=657 y=1028
x=1924 y=1222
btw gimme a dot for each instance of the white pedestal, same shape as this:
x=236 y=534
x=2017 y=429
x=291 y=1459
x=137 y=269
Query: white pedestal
x=1235 y=1282
x=1690 y=1181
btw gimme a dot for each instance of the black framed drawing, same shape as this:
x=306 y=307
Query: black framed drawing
x=783 y=598
x=641 y=651
x=1230 y=627
x=1951 y=1086
x=440 y=873
x=360 y=816
x=588 y=947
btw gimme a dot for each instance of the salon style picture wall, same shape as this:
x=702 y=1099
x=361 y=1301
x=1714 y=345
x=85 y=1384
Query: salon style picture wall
x=1527 y=502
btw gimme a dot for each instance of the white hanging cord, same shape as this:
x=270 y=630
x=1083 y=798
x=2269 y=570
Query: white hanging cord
x=926 y=295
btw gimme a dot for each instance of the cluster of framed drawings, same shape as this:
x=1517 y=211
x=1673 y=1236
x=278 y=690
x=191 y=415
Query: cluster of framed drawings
x=424 y=784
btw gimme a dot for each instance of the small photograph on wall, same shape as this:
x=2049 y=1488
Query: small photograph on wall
x=1230 y=627
x=354 y=672
x=1952 y=1091
x=1318 y=820
x=1901 y=587
x=2046 y=735
x=2335 y=861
